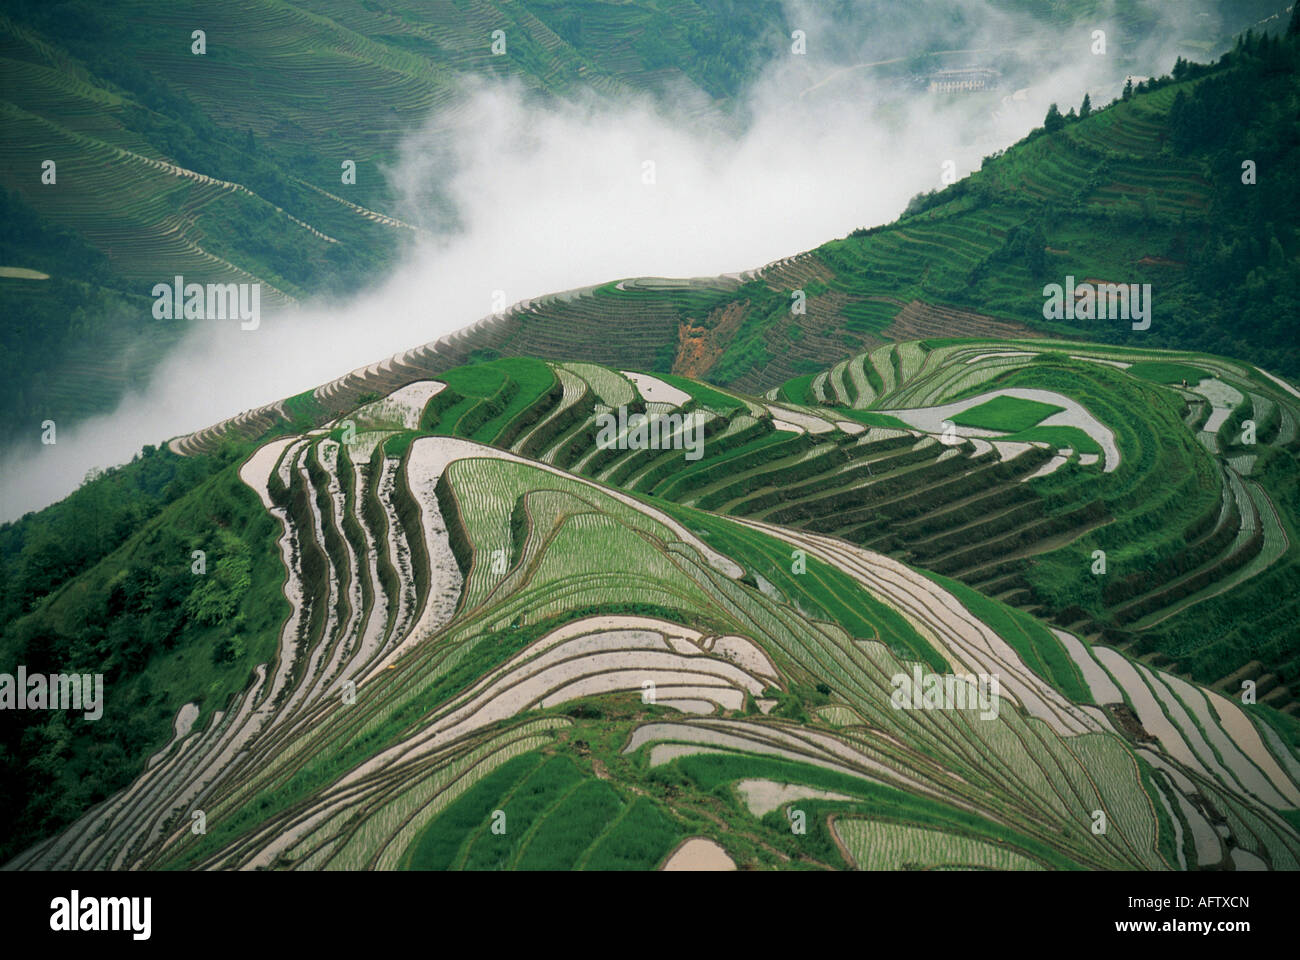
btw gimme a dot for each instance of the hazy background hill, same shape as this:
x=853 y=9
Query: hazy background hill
x=283 y=95
x=1147 y=189
x=226 y=166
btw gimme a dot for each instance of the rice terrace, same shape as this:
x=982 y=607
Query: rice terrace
x=966 y=540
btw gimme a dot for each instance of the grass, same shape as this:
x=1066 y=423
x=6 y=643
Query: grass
x=823 y=587
x=304 y=409
x=1159 y=371
x=1165 y=827
x=485 y=399
x=639 y=841
x=534 y=378
x=1285 y=725
x=1058 y=437
x=708 y=771
x=566 y=831
x=1012 y=414
x=476 y=379
x=556 y=818
x=870 y=418
x=797 y=390
x=396 y=445
x=687 y=481
x=544 y=788
x=437 y=847
x=877 y=845
x=450 y=416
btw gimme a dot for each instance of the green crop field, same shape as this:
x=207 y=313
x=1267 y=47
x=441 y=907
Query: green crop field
x=1011 y=414
x=1071 y=437
x=1158 y=372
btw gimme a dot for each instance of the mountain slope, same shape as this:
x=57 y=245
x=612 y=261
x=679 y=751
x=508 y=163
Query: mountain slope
x=1106 y=198
x=454 y=606
x=454 y=609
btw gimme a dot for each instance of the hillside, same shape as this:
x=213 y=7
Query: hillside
x=1108 y=198
x=462 y=628
x=1233 y=504
x=1191 y=495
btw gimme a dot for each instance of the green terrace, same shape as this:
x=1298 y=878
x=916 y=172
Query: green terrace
x=496 y=549
x=1176 y=522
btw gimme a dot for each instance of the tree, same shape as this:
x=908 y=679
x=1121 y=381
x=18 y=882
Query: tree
x=1148 y=205
x=1085 y=108
x=1053 y=121
x=1293 y=28
x=920 y=203
x=1276 y=255
x=1128 y=89
x=1036 y=252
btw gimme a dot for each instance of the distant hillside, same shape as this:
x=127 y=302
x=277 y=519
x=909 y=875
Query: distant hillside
x=1148 y=190
x=226 y=166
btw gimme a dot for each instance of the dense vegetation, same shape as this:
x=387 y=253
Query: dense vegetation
x=43 y=550
x=1150 y=189
x=108 y=582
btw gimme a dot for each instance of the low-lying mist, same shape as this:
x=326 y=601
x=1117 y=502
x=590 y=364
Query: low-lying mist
x=551 y=196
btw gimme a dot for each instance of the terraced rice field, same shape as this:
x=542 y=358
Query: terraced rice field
x=510 y=644
x=981 y=509
x=492 y=616
x=887 y=846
